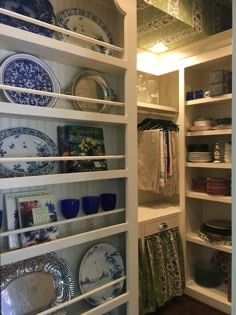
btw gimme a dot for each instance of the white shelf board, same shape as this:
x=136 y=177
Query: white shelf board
x=205 y=196
x=53 y=179
x=210 y=165
x=217 y=298
x=149 y=212
x=55 y=50
x=62 y=114
x=215 y=132
x=194 y=238
x=157 y=107
x=210 y=100
x=40 y=249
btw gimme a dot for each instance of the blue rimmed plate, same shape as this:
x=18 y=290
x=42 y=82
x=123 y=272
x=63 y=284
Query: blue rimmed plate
x=100 y=265
x=27 y=71
x=85 y=23
x=26 y=142
x=41 y=10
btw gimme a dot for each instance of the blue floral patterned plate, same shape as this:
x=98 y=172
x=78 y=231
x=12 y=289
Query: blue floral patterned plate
x=84 y=23
x=26 y=142
x=100 y=265
x=41 y=10
x=27 y=71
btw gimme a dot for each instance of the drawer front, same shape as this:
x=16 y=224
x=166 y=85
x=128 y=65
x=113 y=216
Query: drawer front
x=161 y=225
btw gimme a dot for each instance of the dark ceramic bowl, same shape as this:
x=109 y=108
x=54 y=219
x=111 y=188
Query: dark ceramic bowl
x=108 y=201
x=70 y=207
x=90 y=204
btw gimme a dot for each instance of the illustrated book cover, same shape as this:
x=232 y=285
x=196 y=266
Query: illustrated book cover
x=37 y=210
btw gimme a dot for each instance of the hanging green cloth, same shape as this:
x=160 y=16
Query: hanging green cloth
x=162 y=269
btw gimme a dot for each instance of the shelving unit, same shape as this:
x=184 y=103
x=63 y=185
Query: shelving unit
x=198 y=206
x=118 y=227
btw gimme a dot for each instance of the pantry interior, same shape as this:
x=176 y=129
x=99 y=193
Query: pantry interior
x=189 y=68
x=177 y=72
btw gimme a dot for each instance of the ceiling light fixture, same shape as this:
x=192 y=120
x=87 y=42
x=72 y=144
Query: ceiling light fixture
x=158 y=48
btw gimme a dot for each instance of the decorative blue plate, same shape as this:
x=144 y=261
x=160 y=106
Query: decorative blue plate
x=100 y=265
x=26 y=142
x=85 y=23
x=27 y=71
x=41 y=10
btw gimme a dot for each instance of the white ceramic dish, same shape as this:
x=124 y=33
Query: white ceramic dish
x=100 y=265
x=84 y=23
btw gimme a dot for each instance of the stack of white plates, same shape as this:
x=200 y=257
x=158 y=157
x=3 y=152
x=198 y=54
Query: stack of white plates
x=228 y=153
x=200 y=157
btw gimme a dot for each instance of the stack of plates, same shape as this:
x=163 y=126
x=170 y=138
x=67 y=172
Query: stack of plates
x=218 y=186
x=228 y=153
x=199 y=184
x=217 y=229
x=200 y=157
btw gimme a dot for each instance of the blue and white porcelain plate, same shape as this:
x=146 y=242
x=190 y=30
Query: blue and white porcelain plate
x=85 y=23
x=27 y=71
x=26 y=142
x=41 y=10
x=100 y=265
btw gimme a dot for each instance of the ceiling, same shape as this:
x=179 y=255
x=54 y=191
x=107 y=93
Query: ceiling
x=176 y=23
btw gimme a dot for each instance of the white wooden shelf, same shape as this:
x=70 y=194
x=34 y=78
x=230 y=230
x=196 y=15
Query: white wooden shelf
x=54 y=179
x=210 y=100
x=194 y=238
x=55 y=50
x=156 y=107
x=210 y=165
x=59 y=244
x=215 y=132
x=152 y=211
x=215 y=297
x=204 y=196
x=60 y=114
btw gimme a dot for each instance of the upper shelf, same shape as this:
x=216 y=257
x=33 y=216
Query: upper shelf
x=210 y=100
x=51 y=49
x=147 y=107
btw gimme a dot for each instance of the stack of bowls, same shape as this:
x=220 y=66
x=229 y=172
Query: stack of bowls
x=228 y=153
x=217 y=229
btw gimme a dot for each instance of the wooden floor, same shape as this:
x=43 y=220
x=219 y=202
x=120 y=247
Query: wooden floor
x=185 y=305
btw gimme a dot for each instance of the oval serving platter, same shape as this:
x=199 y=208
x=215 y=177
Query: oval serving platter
x=36 y=284
x=84 y=23
x=27 y=71
x=41 y=10
x=101 y=264
x=26 y=142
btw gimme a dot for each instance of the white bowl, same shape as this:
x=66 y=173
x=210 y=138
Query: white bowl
x=202 y=122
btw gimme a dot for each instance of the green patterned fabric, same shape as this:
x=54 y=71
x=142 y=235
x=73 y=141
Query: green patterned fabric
x=161 y=273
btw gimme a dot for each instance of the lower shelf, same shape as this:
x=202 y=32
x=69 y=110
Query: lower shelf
x=194 y=238
x=216 y=298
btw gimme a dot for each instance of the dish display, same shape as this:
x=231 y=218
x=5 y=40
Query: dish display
x=85 y=23
x=44 y=282
x=90 y=84
x=100 y=265
x=27 y=71
x=26 y=142
x=41 y=10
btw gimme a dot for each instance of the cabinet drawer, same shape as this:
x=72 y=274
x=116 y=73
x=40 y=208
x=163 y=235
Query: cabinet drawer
x=161 y=225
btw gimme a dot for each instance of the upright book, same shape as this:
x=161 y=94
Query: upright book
x=37 y=210
x=74 y=140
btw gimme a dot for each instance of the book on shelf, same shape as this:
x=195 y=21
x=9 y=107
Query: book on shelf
x=37 y=210
x=12 y=217
x=74 y=140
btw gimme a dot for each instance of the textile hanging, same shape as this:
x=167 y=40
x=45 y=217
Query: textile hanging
x=161 y=269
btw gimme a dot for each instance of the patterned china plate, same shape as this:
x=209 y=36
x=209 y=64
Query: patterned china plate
x=26 y=142
x=27 y=71
x=100 y=265
x=41 y=10
x=84 y=23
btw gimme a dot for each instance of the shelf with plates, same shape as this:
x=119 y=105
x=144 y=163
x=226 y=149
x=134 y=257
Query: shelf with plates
x=211 y=100
x=73 y=57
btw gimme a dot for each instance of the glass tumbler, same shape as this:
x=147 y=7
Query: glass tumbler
x=153 y=91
